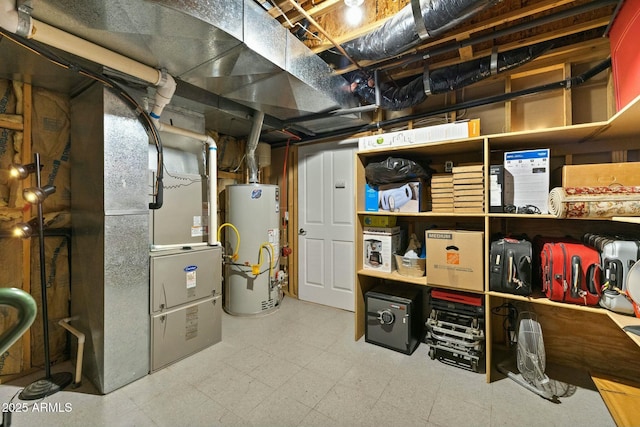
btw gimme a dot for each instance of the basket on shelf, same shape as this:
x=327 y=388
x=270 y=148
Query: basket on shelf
x=412 y=267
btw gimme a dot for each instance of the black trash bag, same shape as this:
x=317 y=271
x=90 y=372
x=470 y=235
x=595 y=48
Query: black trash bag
x=394 y=169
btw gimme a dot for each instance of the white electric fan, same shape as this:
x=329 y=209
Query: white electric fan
x=531 y=362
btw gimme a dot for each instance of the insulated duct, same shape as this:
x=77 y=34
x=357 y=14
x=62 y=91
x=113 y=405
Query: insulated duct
x=445 y=79
x=401 y=32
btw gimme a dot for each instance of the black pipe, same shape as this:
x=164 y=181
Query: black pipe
x=562 y=84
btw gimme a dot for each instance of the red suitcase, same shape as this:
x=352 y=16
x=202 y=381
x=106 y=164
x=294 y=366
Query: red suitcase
x=571 y=273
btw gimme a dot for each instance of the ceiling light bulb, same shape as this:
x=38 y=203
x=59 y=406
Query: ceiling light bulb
x=35 y=194
x=354 y=15
x=353 y=3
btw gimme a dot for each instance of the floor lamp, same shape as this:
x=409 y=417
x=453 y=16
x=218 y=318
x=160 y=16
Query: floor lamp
x=50 y=384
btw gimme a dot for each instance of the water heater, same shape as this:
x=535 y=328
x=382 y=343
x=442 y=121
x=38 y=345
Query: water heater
x=250 y=285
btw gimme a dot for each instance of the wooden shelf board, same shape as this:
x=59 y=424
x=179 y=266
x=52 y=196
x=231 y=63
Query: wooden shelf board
x=532 y=216
x=621 y=397
x=394 y=276
x=457 y=146
x=621 y=320
x=540 y=299
x=423 y=214
x=454 y=288
x=630 y=219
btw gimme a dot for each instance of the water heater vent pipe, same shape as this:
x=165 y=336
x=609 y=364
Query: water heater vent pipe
x=252 y=145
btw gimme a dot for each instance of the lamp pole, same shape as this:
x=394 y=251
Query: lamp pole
x=49 y=384
x=43 y=276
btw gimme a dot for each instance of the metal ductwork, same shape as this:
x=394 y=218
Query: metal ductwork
x=446 y=79
x=232 y=49
x=414 y=23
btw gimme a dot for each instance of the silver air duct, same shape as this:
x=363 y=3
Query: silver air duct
x=252 y=145
x=402 y=32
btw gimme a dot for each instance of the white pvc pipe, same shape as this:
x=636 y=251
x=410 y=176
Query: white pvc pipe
x=81 y=338
x=164 y=92
x=213 y=192
x=69 y=43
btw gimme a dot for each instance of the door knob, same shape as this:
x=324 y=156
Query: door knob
x=302 y=232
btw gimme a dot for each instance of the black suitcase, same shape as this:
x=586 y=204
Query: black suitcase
x=510 y=266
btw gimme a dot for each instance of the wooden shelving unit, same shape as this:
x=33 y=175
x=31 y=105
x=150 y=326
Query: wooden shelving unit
x=568 y=334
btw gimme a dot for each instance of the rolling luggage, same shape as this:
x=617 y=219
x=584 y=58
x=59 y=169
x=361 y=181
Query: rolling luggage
x=617 y=256
x=510 y=268
x=571 y=273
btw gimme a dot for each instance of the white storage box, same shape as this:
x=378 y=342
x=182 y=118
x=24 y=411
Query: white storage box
x=380 y=244
x=448 y=131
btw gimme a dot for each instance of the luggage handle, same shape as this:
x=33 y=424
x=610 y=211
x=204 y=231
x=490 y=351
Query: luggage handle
x=576 y=276
x=594 y=272
x=613 y=273
x=515 y=272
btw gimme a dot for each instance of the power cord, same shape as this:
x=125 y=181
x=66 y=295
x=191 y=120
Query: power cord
x=509 y=312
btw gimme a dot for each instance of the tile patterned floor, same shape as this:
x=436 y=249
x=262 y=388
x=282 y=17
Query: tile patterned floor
x=300 y=366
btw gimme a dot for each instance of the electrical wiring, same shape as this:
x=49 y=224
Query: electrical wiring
x=188 y=181
x=111 y=85
x=509 y=312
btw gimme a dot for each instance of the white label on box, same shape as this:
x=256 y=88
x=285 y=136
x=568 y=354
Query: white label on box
x=529 y=171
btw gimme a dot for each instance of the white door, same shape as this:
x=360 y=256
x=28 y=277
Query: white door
x=326 y=203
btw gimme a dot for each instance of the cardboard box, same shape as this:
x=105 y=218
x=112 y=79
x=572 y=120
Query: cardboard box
x=601 y=175
x=380 y=243
x=455 y=259
x=398 y=197
x=379 y=220
x=458 y=130
x=526 y=180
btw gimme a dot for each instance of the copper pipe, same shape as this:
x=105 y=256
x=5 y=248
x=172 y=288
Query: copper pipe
x=324 y=33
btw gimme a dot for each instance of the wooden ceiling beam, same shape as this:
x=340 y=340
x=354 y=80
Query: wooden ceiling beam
x=315 y=11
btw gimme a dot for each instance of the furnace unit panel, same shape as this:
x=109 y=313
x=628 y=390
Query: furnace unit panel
x=183 y=216
x=182 y=276
x=178 y=333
